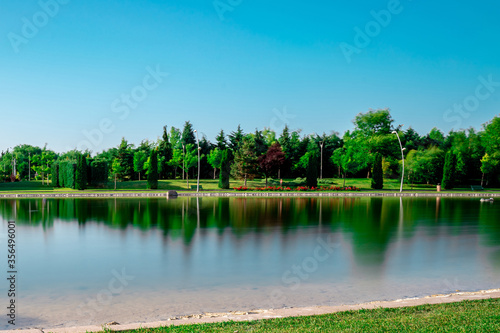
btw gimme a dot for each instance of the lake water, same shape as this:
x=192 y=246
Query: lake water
x=92 y=261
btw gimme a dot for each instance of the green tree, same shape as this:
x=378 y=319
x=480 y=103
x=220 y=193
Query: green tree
x=152 y=172
x=175 y=138
x=448 y=181
x=165 y=151
x=245 y=161
x=425 y=165
x=185 y=160
x=188 y=134
x=215 y=159
x=125 y=159
x=236 y=139
x=225 y=169
x=374 y=122
x=259 y=143
x=140 y=159
x=313 y=155
x=352 y=157
x=378 y=174
x=489 y=164
x=81 y=173
x=221 y=140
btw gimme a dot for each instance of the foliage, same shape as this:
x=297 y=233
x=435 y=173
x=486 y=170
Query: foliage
x=374 y=122
x=67 y=173
x=450 y=162
x=81 y=173
x=245 y=164
x=378 y=174
x=221 y=140
x=215 y=158
x=123 y=164
x=312 y=164
x=165 y=155
x=236 y=139
x=352 y=157
x=55 y=174
x=99 y=172
x=298 y=188
x=188 y=134
x=425 y=166
x=153 y=170
x=140 y=158
x=225 y=169
x=272 y=160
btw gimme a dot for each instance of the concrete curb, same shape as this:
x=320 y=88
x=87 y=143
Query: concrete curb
x=173 y=194
x=273 y=313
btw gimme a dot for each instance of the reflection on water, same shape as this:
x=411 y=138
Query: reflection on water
x=384 y=248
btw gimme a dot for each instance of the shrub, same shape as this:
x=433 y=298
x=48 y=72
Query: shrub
x=153 y=171
x=99 y=172
x=81 y=173
x=378 y=173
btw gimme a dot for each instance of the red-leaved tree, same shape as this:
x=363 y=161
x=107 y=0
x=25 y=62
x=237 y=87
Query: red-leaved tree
x=272 y=160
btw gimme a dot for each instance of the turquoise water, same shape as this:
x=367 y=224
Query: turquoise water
x=91 y=261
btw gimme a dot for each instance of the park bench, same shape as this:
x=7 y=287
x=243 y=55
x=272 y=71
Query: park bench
x=477 y=188
x=193 y=187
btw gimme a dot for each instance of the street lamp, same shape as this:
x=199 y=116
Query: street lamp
x=321 y=165
x=29 y=166
x=183 y=160
x=198 y=183
x=403 y=159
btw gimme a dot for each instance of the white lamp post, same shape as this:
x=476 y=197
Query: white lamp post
x=29 y=166
x=198 y=183
x=321 y=166
x=403 y=159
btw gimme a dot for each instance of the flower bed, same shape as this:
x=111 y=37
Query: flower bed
x=298 y=188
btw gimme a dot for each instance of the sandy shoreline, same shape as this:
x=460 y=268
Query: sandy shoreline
x=273 y=313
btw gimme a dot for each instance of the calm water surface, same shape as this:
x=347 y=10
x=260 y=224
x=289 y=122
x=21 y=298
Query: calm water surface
x=91 y=261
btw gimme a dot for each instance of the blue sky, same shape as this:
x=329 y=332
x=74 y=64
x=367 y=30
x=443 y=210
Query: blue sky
x=67 y=67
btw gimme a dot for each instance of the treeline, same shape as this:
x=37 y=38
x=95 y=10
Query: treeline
x=370 y=150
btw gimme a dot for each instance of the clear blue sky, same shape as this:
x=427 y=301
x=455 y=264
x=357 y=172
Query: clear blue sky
x=247 y=62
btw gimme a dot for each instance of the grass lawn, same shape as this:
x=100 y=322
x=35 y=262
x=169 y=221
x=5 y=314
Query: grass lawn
x=465 y=316
x=211 y=184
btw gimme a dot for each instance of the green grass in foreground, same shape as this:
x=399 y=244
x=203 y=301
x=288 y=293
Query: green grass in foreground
x=211 y=184
x=466 y=316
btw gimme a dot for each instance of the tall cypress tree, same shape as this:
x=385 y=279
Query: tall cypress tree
x=81 y=173
x=221 y=140
x=450 y=162
x=188 y=134
x=166 y=152
x=153 y=171
x=312 y=164
x=378 y=174
x=225 y=170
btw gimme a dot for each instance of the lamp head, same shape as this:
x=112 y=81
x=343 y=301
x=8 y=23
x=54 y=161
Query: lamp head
x=394 y=132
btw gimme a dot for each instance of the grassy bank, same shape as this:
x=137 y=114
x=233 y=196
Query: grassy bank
x=210 y=184
x=466 y=316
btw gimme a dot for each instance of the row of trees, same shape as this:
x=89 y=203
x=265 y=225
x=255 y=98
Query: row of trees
x=370 y=150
